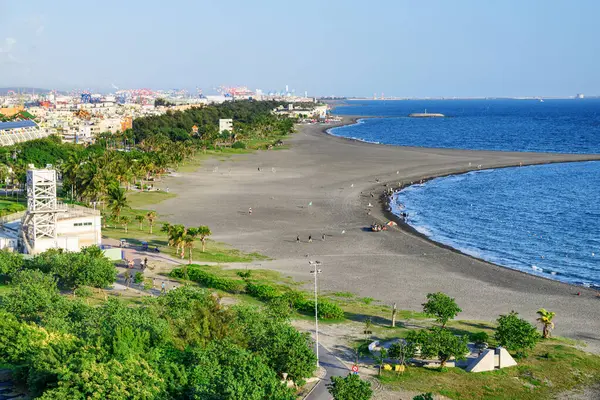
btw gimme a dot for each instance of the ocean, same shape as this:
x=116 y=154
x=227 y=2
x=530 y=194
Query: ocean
x=543 y=220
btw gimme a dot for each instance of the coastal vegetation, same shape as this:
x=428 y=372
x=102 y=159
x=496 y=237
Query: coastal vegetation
x=183 y=344
x=136 y=158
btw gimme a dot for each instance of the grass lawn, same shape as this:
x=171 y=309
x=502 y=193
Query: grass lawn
x=553 y=367
x=8 y=206
x=143 y=199
x=215 y=251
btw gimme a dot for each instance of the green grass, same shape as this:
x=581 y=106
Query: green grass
x=551 y=369
x=143 y=199
x=214 y=252
x=8 y=206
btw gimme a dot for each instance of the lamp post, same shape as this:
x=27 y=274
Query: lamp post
x=316 y=271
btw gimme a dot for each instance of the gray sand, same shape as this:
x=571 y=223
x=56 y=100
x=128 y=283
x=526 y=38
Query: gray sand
x=393 y=266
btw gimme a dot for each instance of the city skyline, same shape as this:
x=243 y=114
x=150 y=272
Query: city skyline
x=402 y=49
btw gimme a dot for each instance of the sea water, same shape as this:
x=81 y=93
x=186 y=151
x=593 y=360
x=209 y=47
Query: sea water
x=544 y=220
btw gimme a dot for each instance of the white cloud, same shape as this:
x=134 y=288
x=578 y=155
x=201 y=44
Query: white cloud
x=40 y=30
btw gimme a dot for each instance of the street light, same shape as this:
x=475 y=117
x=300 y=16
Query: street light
x=316 y=271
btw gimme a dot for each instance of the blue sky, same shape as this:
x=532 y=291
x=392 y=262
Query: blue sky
x=327 y=47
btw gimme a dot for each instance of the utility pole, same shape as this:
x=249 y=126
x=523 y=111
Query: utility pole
x=316 y=271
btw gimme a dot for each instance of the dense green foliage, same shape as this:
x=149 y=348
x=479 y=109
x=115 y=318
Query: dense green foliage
x=326 y=309
x=516 y=334
x=179 y=345
x=439 y=343
x=442 y=307
x=350 y=387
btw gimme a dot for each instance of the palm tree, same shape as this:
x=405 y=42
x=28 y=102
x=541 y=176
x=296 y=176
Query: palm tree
x=125 y=220
x=117 y=200
x=151 y=216
x=140 y=219
x=545 y=318
x=175 y=234
x=189 y=240
x=203 y=232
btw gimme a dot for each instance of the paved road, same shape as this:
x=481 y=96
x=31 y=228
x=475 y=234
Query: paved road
x=334 y=367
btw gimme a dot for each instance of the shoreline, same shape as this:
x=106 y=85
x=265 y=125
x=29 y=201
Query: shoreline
x=320 y=186
x=384 y=199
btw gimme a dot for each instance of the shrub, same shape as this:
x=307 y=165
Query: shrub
x=83 y=291
x=238 y=145
x=325 y=309
x=210 y=280
x=516 y=334
x=479 y=337
x=139 y=277
x=262 y=291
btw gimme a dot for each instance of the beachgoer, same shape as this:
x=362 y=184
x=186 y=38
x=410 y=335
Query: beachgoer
x=578 y=293
x=298 y=239
x=309 y=238
x=258 y=169
x=163 y=288
x=156 y=249
x=323 y=237
x=167 y=190
x=250 y=210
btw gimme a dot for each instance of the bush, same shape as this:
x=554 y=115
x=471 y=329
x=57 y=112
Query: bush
x=479 y=337
x=516 y=334
x=139 y=277
x=83 y=292
x=238 y=145
x=210 y=280
x=325 y=309
x=262 y=291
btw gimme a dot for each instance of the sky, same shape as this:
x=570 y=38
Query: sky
x=405 y=48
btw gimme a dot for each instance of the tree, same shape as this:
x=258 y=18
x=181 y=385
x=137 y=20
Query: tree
x=204 y=232
x=189 y=241
x=125 y=220
x=442 y=307
x=545 y=318
x=140 y=219
x=175 y=235
x=380 y=358
x=117 y=201
x=350 y=387
x=223 y=370
x=401 y=351
x=10 y=262
x=439 y=343
x=151 y=216
x=516 y=334
x=33 y=294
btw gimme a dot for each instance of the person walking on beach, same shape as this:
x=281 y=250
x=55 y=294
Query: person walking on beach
x=163 y=288
x=323 y=237
x=309 y=238
x=298 y=239
x=250 y=211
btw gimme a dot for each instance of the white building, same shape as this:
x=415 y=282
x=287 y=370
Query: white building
x=226 y=125
x=49 y=224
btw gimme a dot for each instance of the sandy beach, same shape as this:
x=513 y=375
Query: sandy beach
x=322 y=185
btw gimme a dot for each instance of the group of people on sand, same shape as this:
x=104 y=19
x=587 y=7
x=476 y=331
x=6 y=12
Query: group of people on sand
x=310 y=238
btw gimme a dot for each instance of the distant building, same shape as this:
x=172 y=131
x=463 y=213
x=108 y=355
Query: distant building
x=20 y=131
x=225 y=125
